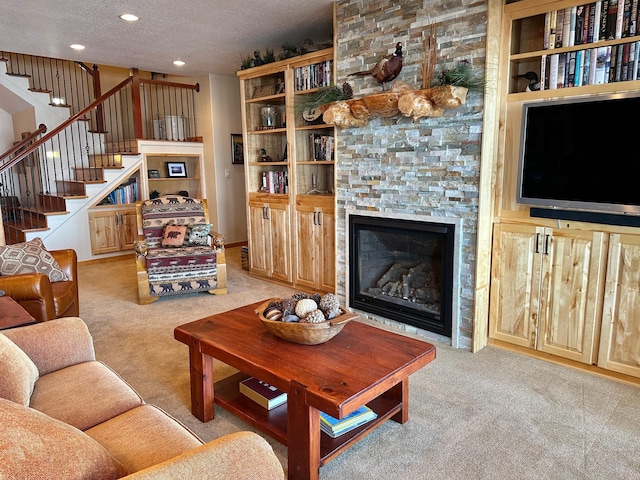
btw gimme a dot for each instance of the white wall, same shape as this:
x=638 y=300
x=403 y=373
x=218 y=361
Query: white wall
x=229 y=178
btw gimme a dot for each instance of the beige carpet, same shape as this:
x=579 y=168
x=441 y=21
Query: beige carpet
x=488 y=415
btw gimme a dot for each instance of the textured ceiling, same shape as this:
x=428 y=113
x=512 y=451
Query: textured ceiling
x=211 y=36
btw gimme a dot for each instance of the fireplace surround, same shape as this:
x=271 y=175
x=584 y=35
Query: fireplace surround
x=404 y=268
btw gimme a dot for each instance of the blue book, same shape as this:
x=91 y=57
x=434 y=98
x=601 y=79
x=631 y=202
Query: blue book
x=334 y=427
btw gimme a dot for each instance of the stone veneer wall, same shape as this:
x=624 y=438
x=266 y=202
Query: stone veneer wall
x=393 y=165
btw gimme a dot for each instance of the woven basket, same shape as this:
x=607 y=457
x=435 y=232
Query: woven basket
x=305 y=333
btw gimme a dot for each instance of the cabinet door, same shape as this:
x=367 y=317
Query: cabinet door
x=280 y=224
x=571 y=297
x=307 y=248
x=128 y=229
x=515 y=284
x=327 y=263
x=259 y=240
x=620 y=335
x=103 y=232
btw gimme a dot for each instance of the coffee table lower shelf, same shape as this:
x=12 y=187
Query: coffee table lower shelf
x=274 y=422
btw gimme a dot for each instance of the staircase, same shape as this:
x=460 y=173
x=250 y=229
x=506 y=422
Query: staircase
x=49 y=182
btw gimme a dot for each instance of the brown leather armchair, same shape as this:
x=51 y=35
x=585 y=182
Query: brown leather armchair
x=43 y=299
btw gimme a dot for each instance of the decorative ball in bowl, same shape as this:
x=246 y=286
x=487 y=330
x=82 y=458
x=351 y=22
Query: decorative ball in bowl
x=304 y=319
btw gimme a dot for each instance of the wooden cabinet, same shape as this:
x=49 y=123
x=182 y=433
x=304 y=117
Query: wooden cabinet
x=289 y=160
x=315 y=255
x=620 y=335
x=565 y=288
x=112 y=221
x=112 y=230
x=270 y=240
x=546 y=289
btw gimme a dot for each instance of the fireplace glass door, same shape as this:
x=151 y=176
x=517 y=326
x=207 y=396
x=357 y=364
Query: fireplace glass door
x=402 y=270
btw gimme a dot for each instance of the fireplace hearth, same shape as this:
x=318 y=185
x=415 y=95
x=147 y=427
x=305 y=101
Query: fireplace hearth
x=403 y=270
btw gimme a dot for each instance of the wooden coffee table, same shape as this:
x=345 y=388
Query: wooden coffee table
x=361 y=365
x=12 y=314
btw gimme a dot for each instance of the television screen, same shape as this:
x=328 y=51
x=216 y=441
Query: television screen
x=581 y=154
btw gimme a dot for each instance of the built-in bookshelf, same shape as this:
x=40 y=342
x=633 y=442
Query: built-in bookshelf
x=577 y=45
x=289 y=167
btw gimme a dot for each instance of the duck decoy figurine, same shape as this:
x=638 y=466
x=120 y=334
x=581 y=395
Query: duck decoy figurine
x=534 y=83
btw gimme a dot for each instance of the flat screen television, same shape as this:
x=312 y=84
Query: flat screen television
x=581 y=154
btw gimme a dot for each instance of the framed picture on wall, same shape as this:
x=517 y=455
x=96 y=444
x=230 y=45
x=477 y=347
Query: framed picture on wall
x=237 y=153
x=176 y=169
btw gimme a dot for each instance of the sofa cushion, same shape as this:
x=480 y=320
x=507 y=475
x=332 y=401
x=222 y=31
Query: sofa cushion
x=17 y=371
x=197 y=234
x=30 y=257
x=34 y=446
x=144 y=436
x=173 y=235
x=84 y=394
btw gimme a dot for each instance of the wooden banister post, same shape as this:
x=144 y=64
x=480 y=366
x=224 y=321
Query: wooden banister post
x=137 y=108
x=97 y=93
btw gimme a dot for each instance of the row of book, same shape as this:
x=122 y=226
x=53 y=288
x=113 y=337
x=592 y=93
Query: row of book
x=123 y=194
x=275 y=181
x=271 y=397
x=614 y=63
x=321 y=146
x=313 y=76
x=591 y=22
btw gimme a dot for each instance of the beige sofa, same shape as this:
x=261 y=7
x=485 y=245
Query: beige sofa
x=65 y=415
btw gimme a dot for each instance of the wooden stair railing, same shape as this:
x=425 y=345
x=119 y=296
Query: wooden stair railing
x=6 y=162
x=52 y=170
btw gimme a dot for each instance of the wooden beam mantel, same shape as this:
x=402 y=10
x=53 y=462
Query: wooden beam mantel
x=400 y=99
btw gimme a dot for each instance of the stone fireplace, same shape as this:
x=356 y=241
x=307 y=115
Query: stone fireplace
x=427 y=170
x=405 y=268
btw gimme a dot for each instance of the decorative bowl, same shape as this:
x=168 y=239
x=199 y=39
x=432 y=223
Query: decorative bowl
x=305 y=333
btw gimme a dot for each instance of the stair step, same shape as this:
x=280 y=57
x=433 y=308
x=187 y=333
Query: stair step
x=51 y=202
x=129 y=146
x=63 y=105
x=70 y=187
x=43 y=211
x=21 y=75
x=105 y=160
x=85 y=173
x=40 y=90
x=29 y=220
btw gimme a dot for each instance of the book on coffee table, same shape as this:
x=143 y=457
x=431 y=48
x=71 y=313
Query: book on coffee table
x=262 y=393
x=335 y=427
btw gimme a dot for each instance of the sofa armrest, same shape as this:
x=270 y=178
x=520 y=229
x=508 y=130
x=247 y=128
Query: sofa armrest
x=241 y=456
x=33 y=291
x=217 y=239
x=68 y=261
x=55 y=344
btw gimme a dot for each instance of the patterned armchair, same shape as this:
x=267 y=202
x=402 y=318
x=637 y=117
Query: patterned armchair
x=176 y=251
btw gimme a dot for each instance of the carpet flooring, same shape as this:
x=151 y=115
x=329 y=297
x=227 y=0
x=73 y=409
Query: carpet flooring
x=485 y=415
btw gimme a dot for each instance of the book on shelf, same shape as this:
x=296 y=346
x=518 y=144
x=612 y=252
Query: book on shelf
x=633 y=22
x=604 y=19
x=594 y=22
x=321 y=146
x=335 y=427
x=262 y=393
x=275 y=181
x=559 y=28
x=566 y=27
x=580 y=22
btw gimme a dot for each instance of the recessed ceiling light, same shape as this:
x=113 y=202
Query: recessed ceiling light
x=77 y=46
x=129 y=17
x=179 y=63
